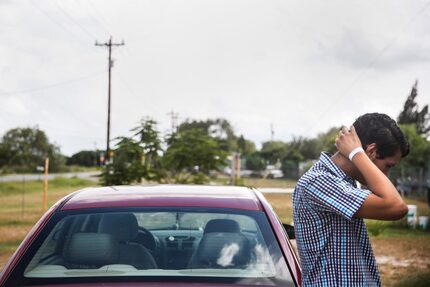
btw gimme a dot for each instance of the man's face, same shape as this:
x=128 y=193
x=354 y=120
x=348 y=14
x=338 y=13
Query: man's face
x=384 y=164
x=387 y=163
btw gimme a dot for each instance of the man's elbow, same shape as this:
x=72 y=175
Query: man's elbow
x=399 y=211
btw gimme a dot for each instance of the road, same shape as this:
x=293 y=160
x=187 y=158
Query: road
x=94 y=177
x=19 y=177
x=275 y=190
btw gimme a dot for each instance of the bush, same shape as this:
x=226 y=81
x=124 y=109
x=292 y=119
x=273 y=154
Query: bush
x=376 y=227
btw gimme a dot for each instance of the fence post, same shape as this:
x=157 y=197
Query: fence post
x=23 y=196
x=45 y=186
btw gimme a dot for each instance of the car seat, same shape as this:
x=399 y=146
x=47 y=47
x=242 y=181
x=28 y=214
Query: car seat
x=91 y=250
x=222 y=246
x=124 y=228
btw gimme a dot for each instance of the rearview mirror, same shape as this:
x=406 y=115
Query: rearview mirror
x=290 y=230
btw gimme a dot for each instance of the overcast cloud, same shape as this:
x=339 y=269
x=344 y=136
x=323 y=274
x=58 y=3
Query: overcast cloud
x=303 y=66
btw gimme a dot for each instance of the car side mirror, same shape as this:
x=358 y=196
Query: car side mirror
x=290 y=230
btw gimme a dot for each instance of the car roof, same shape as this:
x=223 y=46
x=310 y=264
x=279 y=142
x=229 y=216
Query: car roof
x=164 y=195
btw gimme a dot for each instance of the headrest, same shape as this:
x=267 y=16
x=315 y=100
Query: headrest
x=222 y=225
x=92 y=249
x=222 y=250
x=123 y=226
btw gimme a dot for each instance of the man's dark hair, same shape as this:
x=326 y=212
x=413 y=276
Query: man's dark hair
x=384 y=132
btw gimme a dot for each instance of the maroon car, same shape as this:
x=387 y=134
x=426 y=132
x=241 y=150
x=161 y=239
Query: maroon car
x=162 y=235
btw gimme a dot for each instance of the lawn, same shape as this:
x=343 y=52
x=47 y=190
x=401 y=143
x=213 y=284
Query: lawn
x=21 y=206
x=403 y=254
x=258 y=182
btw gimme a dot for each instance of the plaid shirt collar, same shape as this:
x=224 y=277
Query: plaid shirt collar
x=326 y=161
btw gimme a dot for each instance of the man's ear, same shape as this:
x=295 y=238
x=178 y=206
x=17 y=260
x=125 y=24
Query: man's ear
x=371 y=151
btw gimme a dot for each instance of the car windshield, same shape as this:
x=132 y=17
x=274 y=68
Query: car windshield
x=189 y=220
x=212 y=245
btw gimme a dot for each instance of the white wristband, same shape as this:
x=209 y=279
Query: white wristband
x=354 y=152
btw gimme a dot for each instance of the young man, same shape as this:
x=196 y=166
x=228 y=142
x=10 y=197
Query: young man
x=328 y=207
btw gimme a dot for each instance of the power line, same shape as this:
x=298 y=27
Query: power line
x=126 y=84
x=67 y=82
x=103 y=23
x=54 y=21
x=100 y=15
x=89 y=34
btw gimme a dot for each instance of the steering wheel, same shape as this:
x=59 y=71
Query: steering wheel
x=145 y=237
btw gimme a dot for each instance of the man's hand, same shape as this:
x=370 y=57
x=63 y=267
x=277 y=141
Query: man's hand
x=384 y=202
x=347 y=140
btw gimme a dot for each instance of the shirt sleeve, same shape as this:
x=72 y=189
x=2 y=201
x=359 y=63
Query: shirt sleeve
x=330 y=193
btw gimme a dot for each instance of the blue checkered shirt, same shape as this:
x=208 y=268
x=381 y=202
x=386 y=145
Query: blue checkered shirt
x=334 y=247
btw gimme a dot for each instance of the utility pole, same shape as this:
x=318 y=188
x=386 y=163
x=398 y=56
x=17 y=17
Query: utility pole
x=272 y=133
x=110 y=65
x=174 y=119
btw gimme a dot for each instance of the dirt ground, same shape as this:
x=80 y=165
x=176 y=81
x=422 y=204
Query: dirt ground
x=399 y=257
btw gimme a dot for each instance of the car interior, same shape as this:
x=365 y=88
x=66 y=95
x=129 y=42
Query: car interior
x=118 y=243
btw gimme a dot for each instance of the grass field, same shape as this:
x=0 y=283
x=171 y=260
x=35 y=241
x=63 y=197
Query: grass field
x=403 y=254
x=259 y=182
x=21 y=206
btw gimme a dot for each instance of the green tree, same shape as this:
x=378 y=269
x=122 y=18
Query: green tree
x=272 y=151
x=189 y=124
x=419 y=154
x=223 y=131
x=416 y=163
x=290 y=169
x=84 y=158
x=292 y=158
x=245 y=147
x=311 y=148
x=191 y=155
x=136 y=157
x=23 y=149
x=326 y=140
x=293 y=151
x=150 y=142
x=411 y=114
x=126 y=166
x=255 y=162
x=219 y=129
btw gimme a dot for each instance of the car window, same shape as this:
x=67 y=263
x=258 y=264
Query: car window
x=156 y=220
x=211 y=246
x=199 y=220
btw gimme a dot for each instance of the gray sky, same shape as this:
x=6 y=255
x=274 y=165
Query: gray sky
x=303 y=66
